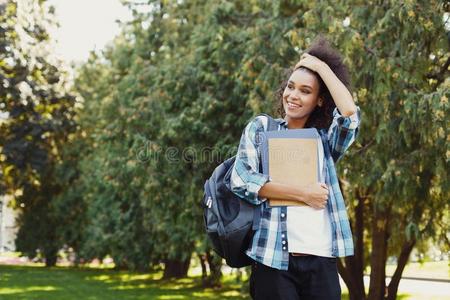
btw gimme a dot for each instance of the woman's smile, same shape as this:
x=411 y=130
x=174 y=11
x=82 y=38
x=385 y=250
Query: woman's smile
x=293 y=106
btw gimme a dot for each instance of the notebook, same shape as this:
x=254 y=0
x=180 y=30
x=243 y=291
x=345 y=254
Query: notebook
x=291 y=157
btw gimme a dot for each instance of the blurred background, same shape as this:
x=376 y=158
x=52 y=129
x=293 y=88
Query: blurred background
x=114 y=113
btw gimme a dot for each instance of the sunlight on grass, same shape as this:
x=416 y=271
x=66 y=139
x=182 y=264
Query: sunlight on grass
x=11 y=254
x=178 y=286
x=131 y=287
x=6 y=291
x=123 y=277
x=231 y=293
x=103 y=266
x=31 y=282
x=106 y=278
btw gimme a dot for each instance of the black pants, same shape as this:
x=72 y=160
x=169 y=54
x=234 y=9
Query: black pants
x=308 y=277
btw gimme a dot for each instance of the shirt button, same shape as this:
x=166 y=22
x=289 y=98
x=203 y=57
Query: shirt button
x=282 y=215
x=284 y=248
x=246 y=193
x=283 y=235
x=283 y=242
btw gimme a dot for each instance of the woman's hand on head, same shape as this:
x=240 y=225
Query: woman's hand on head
x=311 y=62
x=317 y=195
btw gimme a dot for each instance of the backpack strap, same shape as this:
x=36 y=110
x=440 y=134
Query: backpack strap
x=272 y=125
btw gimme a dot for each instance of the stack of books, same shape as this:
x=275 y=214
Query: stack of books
x=291 y=157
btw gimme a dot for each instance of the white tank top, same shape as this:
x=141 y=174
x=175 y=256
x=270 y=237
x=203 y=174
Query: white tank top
x=309 y=229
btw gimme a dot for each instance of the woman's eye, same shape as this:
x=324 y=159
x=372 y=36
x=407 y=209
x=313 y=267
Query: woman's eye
x=305 y=92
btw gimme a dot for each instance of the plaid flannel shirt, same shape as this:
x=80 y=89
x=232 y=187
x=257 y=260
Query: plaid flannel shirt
x=269 y=245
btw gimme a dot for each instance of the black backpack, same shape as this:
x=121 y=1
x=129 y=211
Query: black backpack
x=230 y=221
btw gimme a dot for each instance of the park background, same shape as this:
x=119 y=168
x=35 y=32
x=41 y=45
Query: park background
x=103 y=161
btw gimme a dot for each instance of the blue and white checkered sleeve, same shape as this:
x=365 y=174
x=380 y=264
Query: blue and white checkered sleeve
x=342 y=132
x=246 y=180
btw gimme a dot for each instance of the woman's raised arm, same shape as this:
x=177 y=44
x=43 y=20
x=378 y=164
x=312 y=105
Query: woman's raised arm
x=341 y=95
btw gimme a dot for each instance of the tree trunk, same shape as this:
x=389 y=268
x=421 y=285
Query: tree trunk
x=76 y=261
x=120 y=265
x=215 y=269
x=202 y=258
x=349 y=279
x=176 y=268
x=50 y=261
x=352 y=272
x=359 y=244
x=51 y=256
x=377 y=287
x=401 y=263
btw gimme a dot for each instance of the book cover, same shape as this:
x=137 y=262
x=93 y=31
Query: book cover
x=290 y=157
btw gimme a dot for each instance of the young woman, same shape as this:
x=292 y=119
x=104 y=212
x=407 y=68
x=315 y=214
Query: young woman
x=295 y=248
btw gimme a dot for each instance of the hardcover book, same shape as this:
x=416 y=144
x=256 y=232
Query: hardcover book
x=290 y=157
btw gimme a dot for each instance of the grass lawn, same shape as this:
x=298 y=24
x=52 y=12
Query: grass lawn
x=38 y=282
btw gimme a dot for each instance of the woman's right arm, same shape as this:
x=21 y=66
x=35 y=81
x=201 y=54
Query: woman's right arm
x=246 y=180
x=315 y=196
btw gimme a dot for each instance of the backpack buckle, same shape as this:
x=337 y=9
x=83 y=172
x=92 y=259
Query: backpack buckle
x=209 y=202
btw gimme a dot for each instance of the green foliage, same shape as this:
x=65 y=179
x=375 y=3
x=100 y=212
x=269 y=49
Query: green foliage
x=36 y=116
x=402 y=62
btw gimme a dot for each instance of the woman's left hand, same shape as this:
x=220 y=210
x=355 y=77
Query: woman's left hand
x=311 y=62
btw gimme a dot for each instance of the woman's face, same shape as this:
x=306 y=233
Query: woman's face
x=301 y=95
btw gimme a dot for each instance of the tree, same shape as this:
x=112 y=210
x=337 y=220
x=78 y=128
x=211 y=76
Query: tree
x=73 y=172
x=37 y=114
x=401 y=53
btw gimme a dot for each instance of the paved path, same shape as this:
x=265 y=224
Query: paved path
x=424 y=288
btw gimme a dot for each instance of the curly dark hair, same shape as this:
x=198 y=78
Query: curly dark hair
x=321 y=116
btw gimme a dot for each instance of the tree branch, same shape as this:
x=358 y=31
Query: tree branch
x=440 y=76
